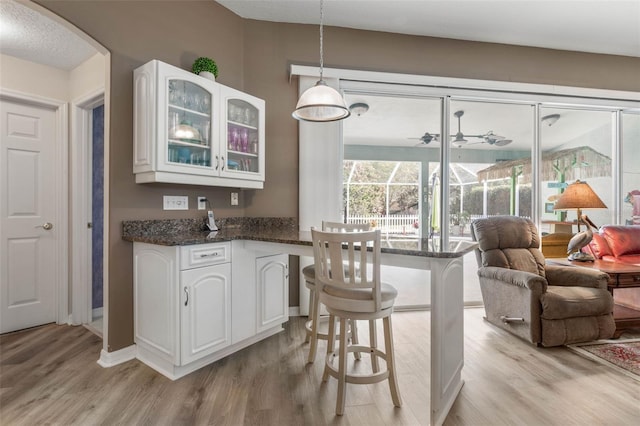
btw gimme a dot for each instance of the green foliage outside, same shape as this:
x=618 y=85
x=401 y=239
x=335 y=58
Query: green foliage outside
x=368 y=189
x=368 y=192
x=498 y=199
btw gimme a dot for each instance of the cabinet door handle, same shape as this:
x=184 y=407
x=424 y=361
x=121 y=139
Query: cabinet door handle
x=222 y=163
x=186 y=292
x=209 y=254
x=217 y=162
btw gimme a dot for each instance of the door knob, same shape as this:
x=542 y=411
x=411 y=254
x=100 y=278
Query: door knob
x=47 y=226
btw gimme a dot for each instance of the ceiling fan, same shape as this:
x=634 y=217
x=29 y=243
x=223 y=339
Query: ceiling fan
x=459 y=138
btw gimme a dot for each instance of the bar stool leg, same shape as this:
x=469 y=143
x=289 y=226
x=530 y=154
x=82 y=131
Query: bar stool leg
x=342 y=368
x=311 y=313
x=330 y=344
x=391 y=362
x=353 y=329
x=314 y=327
x=373 y=343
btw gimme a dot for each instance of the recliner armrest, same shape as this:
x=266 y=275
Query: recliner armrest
x=561 y=275
x=533 y=282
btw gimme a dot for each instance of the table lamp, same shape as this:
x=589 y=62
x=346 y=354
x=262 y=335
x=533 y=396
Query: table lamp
x=579 y=195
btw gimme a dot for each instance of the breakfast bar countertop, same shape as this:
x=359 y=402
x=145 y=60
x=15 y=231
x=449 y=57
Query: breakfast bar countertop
x=179 y=232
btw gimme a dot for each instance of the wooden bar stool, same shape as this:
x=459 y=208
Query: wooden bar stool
x=313 y=323
x=354 y=292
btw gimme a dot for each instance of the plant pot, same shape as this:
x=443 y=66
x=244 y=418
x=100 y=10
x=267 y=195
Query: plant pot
x=207 y=74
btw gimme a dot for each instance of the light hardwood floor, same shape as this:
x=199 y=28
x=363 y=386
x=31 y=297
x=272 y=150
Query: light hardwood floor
x=49 y=375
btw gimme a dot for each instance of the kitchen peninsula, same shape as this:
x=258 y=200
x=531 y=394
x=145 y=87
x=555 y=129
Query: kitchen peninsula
x=242 y=241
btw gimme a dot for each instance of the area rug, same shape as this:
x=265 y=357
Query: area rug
x=623 y=355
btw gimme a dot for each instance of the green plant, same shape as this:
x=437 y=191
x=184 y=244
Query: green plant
x=205 y=64
x=460 y=218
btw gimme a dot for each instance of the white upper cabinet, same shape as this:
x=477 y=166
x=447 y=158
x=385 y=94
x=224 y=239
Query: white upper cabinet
x=191 y=130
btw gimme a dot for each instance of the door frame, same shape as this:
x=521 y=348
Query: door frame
x=61 y=140
x=81 y=251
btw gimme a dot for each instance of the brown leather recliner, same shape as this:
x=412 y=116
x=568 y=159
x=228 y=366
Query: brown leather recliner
x=550 y=305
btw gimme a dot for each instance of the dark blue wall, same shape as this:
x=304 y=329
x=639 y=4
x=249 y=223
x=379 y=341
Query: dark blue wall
x=97 y=184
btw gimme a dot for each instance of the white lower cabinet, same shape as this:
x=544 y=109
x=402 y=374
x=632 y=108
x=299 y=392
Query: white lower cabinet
x=273 y=290
x=196 y=304
x=205 y=322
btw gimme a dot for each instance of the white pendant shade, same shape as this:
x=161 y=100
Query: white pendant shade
x=321 y=103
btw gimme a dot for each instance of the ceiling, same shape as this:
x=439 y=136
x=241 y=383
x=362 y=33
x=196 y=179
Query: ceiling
x=401 y=121
x=600 y=26
x=29 y=35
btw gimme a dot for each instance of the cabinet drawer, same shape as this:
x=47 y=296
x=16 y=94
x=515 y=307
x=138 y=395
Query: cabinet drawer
x=629 y=280
x=204 y=254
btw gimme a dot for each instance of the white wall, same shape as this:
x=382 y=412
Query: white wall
x=88 y=77
x=28 y=77
x=48 y=82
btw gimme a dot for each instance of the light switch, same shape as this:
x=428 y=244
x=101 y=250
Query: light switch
x=175 y=202
x=234 y=198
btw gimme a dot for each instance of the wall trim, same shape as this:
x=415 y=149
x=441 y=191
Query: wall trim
x=81 y=119
x=464 y=83
x=110 y=359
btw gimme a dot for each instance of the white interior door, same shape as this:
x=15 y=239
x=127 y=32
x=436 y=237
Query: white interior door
x=28 y=231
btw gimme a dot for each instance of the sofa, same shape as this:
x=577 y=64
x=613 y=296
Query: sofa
x=616 y=243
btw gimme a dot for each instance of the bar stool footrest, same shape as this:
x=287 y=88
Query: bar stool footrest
x=359 y=378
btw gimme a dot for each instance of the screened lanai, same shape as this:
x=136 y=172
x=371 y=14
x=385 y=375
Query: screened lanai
x=387 y=195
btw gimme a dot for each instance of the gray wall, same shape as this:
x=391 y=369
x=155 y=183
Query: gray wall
x=254 y=56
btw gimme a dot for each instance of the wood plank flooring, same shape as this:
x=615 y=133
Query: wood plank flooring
x=49 y=375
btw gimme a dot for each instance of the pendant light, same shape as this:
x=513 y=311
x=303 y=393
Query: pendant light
x=321 y=103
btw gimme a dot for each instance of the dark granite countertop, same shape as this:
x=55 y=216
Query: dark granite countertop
x=180 y=232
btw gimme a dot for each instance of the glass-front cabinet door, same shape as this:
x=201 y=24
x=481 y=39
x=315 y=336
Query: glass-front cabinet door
x=189 y=121
x=242 y=150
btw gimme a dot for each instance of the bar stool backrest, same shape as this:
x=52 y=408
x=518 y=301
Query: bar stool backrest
x=359 y=252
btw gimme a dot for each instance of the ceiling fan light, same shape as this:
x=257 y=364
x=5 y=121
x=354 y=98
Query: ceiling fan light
x=321 y=103
x=460 y=140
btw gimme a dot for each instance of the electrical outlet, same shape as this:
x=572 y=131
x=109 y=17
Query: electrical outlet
x=234 y=198
x=175 y=202
x=202 y=201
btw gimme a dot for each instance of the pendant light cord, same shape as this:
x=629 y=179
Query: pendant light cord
x=321 y=33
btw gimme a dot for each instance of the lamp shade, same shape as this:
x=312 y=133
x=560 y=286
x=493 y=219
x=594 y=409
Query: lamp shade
x=321 y=103
x=579 y=195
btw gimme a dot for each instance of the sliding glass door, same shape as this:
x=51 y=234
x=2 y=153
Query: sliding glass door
x=575 y=144
x=630 y=164
x=421 y=162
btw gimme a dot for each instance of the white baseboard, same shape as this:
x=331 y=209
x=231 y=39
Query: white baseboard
x=110 y=359
x=294 y=311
